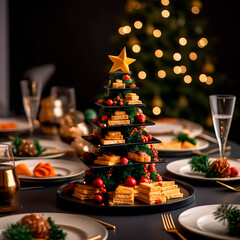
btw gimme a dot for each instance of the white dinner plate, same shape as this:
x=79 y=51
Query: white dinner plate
x=200 y=220
x=174 y=126
x=49 y=145
x=21 y=125
x=200 y=144
x=64 y=169
x=183 y=169
x=76 y=226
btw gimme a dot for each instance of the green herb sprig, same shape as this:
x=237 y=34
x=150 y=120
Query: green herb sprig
x=182 y=137
x=202 y=164
x=229 y=214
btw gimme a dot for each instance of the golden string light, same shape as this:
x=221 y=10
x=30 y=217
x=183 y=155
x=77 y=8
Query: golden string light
x=187 y=79
x=195 y=10
x=177 y=70
x=136 y=48
x=165 y=13
x=156 y=110
x=177 y=56
x=182 y=41
x=161 y=74
x=193 y=56
x=157 y=33
x=138 y=24
x=202 y=42
x=202 y=77
x=183 y=69
x=158 y=53
x=209 y=80
x=142 y=75
x=165 y=2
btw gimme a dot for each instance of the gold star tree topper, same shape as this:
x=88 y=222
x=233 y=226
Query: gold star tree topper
x=121 y=62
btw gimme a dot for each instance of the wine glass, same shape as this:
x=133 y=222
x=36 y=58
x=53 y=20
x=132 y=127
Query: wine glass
x=9 y=182
x=222 y=107
x=31 y=95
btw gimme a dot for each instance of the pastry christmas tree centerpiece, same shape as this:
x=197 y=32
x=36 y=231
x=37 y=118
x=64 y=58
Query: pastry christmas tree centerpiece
x=122 y=166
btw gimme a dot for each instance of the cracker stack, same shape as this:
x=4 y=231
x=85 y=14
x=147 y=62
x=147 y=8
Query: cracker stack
x=118 y=118
x=107 y=159
x=118 y=84
x=132 y=98
x=85 y=191
x=112 y=137
x=123 y=196
x=170 y=189
x=139 y=156
x=150 y=194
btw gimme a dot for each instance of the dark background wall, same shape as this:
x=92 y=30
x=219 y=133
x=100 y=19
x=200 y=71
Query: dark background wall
x=75 y=35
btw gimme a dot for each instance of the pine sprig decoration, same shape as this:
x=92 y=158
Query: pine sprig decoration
x=55 y=231
x=200 y=164
x=17 y=231
x=230 y=214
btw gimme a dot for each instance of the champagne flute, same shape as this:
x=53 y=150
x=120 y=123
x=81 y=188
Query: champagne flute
x=9 y=182
x=222 y=107
x=31 y=95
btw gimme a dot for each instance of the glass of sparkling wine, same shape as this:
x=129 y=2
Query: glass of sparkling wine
x=222 y=107
x=31 y=95
x=9 y=182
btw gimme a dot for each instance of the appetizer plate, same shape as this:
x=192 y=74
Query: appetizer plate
x=65 y=200
x=64 y=169
x=183 y=169
x=21 y=125
x=50 y=145
x=200 y=220
x=76 y=226
x=201 y=144
x=174 y=126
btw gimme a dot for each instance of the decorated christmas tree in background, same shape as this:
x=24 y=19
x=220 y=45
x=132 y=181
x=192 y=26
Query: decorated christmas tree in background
x=175 y=69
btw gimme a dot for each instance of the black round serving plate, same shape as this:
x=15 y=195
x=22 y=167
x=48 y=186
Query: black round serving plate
x=65 y=200
x=99 y=145
x=146 y=123
x=118 y=106
x=120 y=89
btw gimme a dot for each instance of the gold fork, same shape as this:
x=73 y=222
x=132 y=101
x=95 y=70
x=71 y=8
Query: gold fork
x=214 y=150
x=237 y=189
x=169 y=225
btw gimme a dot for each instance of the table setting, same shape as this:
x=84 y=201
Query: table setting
x=124 y=189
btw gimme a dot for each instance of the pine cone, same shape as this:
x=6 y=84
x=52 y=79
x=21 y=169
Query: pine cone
x=39 y=225
x=221 y=166
x=27 y=148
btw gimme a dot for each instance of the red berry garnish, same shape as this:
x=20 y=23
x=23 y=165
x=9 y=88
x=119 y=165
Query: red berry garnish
x=109 y=102
x=159 y=178
x=95 y=120
x=151 y=168
x=141 y=118
x=100 y=101
x=98 y=198
x=144 y=180
x=124 y=160
x=104 y=118
x=126 y=77
x=234 y=172
x=98 y=182
x=130 y=182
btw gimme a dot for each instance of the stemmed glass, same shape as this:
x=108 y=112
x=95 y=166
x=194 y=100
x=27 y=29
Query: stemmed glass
x=222 y=107
x=9 y=182
x=31 y=95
